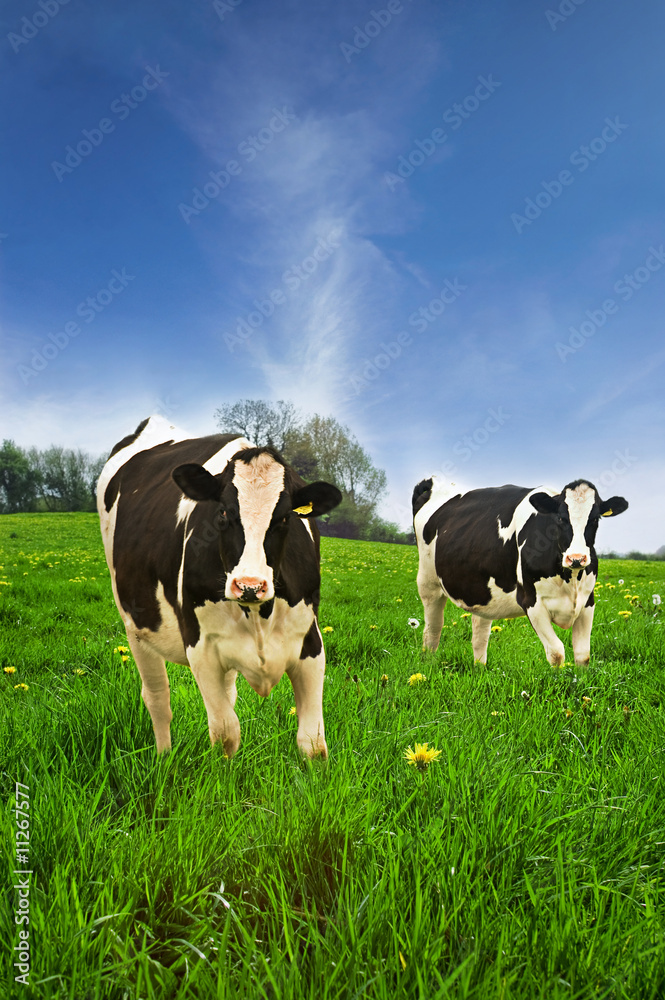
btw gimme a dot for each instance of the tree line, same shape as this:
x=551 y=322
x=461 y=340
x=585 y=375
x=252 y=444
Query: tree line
x=55 y=479
x=318 y=448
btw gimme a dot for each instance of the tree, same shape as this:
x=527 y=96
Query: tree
x=340 y=457
x=317 y=448
x=260 y=422
x=332 y=453
x=18 y=480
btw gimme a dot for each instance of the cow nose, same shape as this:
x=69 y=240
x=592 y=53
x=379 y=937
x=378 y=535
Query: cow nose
x=249 y=589
x=576 y=559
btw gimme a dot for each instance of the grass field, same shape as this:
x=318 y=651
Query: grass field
x=526 y=862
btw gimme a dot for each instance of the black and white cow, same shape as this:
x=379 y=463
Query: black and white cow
x=215 y=564
x=509 y=551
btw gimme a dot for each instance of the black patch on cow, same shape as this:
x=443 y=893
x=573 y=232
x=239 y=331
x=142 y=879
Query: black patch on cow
x=590 y=601
x=130 y=437
x=265 y=609
x=469 y=549
x=421 y=494
x=111 y=492
x=312 y=644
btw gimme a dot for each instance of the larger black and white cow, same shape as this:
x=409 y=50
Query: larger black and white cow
x=511 y=551
x=214 y=562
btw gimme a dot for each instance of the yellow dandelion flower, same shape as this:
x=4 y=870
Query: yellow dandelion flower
x=625 y=614
x=568 y=713
x=20 y=687
x=79 y=672
x=497 y=713
x=292 y=710
x=328 y=628
x=10 y=670
x=124 y=658
x=399 y=599
x=467 y=614
x=384 y=680
x=497 y=628
x=373 y=626
x=416 y=679
x=421 y=757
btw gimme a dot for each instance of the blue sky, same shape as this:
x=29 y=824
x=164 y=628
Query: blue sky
x=441 y=223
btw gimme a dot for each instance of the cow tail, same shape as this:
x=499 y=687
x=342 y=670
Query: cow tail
x=421 y=494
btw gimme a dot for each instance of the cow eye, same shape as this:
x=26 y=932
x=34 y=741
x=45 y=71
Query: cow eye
x=222 y=519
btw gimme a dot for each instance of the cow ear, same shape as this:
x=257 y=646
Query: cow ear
x=196 y=482
x=315 y=499
x=612 y=507
x=544 y=503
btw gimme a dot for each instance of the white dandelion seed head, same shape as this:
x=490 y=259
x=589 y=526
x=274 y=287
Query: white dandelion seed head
x=620 y=582
x=414 y=623
x=656 y=599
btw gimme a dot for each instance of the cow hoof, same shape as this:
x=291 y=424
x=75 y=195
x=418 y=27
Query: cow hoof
x=313 y=751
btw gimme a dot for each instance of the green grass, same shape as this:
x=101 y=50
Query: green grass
x=527 y=862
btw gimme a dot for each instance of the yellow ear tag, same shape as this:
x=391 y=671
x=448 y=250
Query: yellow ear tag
x=305 y=509
x=608 y=513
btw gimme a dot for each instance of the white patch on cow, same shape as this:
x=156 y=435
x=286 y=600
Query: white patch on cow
x=563 y=601
x=218 y=462
x=215 y=464
x=181 y=572
x=521 y=514
x=156 y=431
x=184 y=509
x=261 y=649
x=167 y=640
x=259 y=484
x=442 y=490
x=107 y=521
x=579 y=502
x=500 y=604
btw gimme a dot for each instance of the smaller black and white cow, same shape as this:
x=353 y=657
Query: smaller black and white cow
x=215 y=564
x=509 y=551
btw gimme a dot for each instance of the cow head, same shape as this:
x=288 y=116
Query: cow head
x=258 y=497
x=575 y=514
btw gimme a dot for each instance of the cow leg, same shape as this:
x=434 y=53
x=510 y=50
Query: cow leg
x=155 y=689
x=480 y=635
x=218 y=691
x=307 y=680
x=582 y=636
x=539 y=617
x=434 y=602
